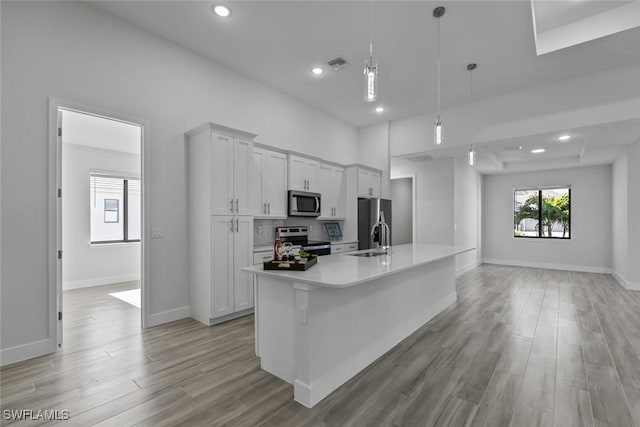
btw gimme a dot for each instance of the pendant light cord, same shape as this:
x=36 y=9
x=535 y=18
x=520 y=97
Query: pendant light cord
x=371 y=32
x=439 y=68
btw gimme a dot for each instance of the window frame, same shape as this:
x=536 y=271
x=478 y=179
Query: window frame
x=540 y=210
x=125 y=207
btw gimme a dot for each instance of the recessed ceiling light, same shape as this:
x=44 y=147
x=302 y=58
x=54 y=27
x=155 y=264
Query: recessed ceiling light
x=222 y=11
x=564 y=137
x=317 y=70
x=379 y=109
x=538 y=150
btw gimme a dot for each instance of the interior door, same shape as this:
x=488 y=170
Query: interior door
x=242 y=257
x=222 y=234
x=221 y=175
x=243 y=176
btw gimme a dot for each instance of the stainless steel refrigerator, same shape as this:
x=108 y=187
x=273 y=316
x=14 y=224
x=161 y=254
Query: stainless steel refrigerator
x=368 y=214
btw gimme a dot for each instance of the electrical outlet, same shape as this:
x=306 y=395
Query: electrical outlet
x=310 y=227
x=260 y=229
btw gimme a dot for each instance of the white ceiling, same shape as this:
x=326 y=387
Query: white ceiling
x=99 y=132
x=277 y=43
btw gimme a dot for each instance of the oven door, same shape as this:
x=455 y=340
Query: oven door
x=302 y=203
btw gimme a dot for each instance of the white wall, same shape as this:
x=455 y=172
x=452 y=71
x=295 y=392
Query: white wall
x=467 y=197
x=373 y=150
x=85 y=265
x=590 y=246
x=619 y=213
x=72 y=51
x=435 y=210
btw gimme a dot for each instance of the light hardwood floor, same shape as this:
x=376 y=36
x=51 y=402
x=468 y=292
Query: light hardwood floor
x=521 y=347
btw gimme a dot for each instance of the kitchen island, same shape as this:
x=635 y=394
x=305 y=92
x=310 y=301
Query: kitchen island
x=316 y=329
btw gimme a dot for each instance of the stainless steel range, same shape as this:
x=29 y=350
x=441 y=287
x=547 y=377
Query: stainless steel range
x=299 y=236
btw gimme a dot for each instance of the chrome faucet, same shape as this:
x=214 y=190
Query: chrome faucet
x=385 y=233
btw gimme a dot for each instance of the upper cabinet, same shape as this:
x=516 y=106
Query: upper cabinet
x=303 y=174
x=229 y=169
x=269 y=188
x=369 y=182
x=333 y=188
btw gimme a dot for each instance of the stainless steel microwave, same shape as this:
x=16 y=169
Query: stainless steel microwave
x=303 y=203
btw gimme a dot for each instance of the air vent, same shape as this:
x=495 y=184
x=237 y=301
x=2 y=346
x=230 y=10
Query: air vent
x=338 y=63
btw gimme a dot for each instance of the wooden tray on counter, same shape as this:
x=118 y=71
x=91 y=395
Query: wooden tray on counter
x=291 y=265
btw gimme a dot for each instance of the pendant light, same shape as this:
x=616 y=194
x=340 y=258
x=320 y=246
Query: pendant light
x=470 y=68
x=371 y=66
x=438 y=12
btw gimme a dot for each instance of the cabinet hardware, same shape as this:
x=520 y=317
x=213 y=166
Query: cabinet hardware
x=237 y=203
x=264 y=208
x=237 y=225
x=231 y=208
x=269 y=208
x=232 y=225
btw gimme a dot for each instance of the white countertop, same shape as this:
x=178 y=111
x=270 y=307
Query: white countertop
x=342 y=270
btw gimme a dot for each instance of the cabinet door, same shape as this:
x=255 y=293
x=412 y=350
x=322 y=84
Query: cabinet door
x=242 y=174
x=326 y=191
x=258 y=187
x=276 y=184
x=222 y=265
x=339 y=192
x=376 y=178
x=297 y=181
x=364 y=183
x=310 y=170
x=242 y=257
x=221 y=174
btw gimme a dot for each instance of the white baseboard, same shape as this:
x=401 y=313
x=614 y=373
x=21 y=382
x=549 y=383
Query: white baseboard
x=26 y=351
x=168 y=316
x=466 y=268
x=620 y=279
x=550 y=266
x=98 y=281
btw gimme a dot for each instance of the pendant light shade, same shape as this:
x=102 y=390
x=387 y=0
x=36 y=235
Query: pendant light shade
x=438 y=12
x=472 y=156
x=370 y=66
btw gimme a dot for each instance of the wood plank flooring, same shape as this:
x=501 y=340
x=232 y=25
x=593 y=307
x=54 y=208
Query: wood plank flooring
x=520 y=347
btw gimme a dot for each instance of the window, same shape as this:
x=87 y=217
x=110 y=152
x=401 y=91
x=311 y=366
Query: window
x=542 y=213
x=115 y=209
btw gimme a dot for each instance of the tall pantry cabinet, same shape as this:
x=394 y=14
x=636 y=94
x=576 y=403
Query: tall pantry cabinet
x=220 y=222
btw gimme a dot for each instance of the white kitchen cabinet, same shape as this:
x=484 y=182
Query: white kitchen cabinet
x=220 y=169
x=230 y=155
x=341 y=248
x=369 y=182
x=303 y=174
x=269 y=189
x=333 y=188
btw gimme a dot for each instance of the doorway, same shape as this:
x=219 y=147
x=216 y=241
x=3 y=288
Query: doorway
x=99 y=216
x=402 y=198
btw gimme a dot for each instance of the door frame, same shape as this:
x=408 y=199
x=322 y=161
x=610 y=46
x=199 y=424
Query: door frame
x=55 y=211
x=414 y=199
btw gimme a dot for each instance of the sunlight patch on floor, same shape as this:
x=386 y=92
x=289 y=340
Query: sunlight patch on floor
x=131 y=296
